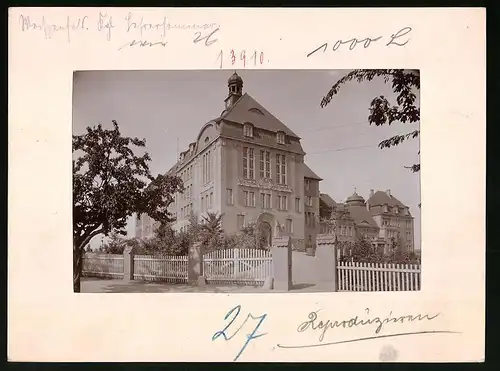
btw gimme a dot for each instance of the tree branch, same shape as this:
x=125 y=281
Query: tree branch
x=89 y=237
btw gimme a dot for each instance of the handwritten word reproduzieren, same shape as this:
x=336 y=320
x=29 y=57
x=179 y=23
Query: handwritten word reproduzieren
x=240 y=58
x=314 y=324
x=234 y=312
x=399 y=38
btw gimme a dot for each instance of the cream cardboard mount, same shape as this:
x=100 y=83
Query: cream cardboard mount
x=46 y=46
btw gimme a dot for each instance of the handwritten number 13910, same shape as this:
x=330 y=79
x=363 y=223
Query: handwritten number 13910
x=235 y=312
x=241 y=57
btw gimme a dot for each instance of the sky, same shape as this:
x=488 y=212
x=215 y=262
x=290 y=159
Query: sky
x=168 y=108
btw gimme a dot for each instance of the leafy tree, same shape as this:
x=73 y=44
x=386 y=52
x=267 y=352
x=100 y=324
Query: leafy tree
x=211 y=231
x=249 y=237
x=110 y=183
x=381 y=111
x=363 y=252
x=115 y=245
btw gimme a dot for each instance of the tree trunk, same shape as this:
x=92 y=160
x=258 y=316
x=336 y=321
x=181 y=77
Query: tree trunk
x=77 y=267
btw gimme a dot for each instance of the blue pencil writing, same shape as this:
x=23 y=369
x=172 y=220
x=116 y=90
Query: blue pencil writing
x=249 y=337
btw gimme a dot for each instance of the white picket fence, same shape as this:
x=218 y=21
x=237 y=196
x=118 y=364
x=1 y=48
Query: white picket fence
x=102 y=265
x=378 y=277
x=237 y=266
x=172 y=269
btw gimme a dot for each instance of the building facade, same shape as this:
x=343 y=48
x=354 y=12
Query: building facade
x=382 y=219
x=249 y=167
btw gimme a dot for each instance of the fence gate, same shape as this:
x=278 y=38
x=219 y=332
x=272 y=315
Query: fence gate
x=237 y=266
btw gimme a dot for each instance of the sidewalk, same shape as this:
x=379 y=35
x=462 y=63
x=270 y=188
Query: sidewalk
x=89 y=285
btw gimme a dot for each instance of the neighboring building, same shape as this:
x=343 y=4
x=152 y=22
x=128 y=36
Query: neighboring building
x=341 y=221
x=248 y=166
x=393 y=218
x=311 y=205
x=381 y=219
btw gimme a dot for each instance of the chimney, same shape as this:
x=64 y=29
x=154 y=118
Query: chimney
x=371 y=192
x=388 y=192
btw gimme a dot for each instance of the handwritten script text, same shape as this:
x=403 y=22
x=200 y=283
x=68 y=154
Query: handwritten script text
x=377 y=323
x=399 y=38
x=141 y=31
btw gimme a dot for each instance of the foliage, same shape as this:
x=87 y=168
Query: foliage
x=381 y=111
x=210 y=231
x=115 y=245
x=248 y=237
x=362 y=251
x=110 y=183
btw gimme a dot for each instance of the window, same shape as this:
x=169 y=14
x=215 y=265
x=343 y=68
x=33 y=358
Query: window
x=408 y=224
x=240 y=221
x=309 y=201
x=248 y=163
x=282 y=202
x=265 y=200
x=280 y=169
x=207 y=167
x=211 y=200
x=280 y=137
x=229 y=196
x=265 y=164
x=288 y=226
x=249 y=198
x=248 y=130
x=308 y=184
x=297 y=204
x=310 y=219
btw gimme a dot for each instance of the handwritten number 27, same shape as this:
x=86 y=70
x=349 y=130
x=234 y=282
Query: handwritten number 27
x=236 y=310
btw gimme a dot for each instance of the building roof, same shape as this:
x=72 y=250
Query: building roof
x=361 y=216
x=308 y=173
x=355 y=198
x=247 y=109
x=235 y=78
x=381 y=198
x=330 y=202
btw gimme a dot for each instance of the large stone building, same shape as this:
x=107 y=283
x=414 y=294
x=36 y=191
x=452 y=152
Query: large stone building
x=381 y=219
x=249 y=167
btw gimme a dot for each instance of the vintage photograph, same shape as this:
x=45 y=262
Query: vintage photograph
x=246 y=181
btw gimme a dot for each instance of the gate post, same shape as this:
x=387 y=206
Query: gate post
x=326 y=258
x=282 y=263
x=195 y=264
x=128 y=264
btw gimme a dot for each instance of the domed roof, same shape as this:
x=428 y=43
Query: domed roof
x=355 y=198
x=235 y=78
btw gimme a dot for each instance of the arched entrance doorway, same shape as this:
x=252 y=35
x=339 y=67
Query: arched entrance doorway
x=266 y=232
x=265 y=229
